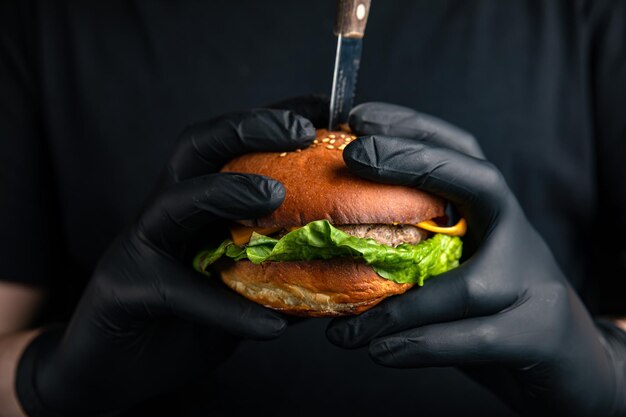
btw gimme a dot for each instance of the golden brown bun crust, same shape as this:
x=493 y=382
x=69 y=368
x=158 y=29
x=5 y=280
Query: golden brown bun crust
x=319 y=186
x=330 y=288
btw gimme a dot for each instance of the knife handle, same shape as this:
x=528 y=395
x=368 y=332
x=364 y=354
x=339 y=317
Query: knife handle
x=351 y=18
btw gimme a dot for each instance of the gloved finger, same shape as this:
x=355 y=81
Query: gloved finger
x=315 y=107
x=203 y=148
x=206 y=301
x=458 y=294
x=386 y=119
x=475 y=186
x=180 y=211
x=480 y=340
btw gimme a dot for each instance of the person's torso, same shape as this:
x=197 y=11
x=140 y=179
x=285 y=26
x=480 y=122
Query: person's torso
x=122 y=79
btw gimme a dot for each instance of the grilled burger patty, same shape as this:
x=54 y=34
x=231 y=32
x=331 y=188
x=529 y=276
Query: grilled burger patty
x=387 y=234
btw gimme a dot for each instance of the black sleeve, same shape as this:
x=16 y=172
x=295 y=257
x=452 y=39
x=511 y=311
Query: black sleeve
x=28 y=230
x=608 y=87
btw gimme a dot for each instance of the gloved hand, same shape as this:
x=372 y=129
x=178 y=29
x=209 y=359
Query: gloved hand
x=148 y=322
x=507 y=316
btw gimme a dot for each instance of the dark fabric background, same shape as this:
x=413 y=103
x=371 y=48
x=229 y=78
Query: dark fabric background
x=93 y=95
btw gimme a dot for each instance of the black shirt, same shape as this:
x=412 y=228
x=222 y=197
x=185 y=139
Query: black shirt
x=94 y=94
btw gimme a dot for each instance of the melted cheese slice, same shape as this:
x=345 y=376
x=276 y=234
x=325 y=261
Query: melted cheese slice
x=458 y=229
x=241 y=234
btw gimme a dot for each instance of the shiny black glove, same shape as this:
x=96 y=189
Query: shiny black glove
x=148 y=322
x=507 y=316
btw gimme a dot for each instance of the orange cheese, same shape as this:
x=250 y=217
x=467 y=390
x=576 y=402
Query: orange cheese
x=241 y=234
x=458 y=229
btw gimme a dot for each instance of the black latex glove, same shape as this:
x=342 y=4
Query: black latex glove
x=507 y=316
x=148 y=322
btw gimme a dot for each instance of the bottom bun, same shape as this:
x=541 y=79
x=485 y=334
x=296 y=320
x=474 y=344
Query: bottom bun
x=318 y=288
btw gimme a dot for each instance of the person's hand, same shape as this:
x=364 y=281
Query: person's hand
x=385 y=119
x=148 y=322
x=507 y=316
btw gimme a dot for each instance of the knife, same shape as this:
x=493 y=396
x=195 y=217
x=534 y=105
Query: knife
x=350 y=24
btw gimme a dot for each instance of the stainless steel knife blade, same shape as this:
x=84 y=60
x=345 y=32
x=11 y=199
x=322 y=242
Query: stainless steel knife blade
x=350 y=29
x=344 y=79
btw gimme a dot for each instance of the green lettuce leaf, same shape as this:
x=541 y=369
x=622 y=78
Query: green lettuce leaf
x=320 y=240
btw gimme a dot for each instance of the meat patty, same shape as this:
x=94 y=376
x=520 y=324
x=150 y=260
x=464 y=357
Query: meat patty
x=387 y=234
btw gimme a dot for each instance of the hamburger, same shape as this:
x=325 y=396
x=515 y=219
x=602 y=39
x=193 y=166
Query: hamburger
x=339 y=244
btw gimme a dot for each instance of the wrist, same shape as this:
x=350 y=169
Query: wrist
x=621 y=323
x=30 y=362
x=11 y=348
x=35 y=361
x=613 y=338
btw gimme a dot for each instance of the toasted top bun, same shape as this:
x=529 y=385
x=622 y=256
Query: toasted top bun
x=319 y=186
